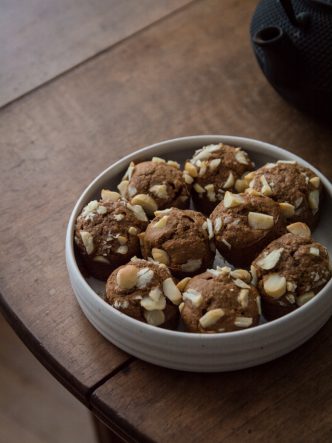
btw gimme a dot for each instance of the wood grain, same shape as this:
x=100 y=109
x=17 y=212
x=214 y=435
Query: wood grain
x=43 y=38
x=288 y=400
x=193 y=72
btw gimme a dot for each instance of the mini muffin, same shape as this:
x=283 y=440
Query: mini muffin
x=181 y=239
x=292 y=185
x=244 y=224
x=144 y=291
x=290 y=271
x=155 y=185
x=106 y=233
x=213 y=170
x=220 y=301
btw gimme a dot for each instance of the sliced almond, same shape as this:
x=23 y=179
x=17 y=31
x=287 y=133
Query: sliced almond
x=274 y=285
x=287 y=162
x=187 y=178
x=241 y=157
x=290 y=298
x=291 y=286
x=155 y=294
x=314 y=199
x=298 y=202
x=266 y=188
x=194 y=296
x=118 y=217
x=300 y=229
x=242 y=274
x=243 y=322
x=154 y=318
x=206 y=151
x=241 y=284
x=160 y=256
x=146 y=201
x=217 y=224
x=213 y=164
x=198 y=188
x=159 y=190
x=270 y=260
x=183 y=283
x=87 y=240
x=161 y=223
x=122 y=249
x=287 y=209
x=253 y=272
x=158 y=160
x=259 y=305
x=249 y=176
x=252 y=191
x=122 y=239
x=314 y=251
x=209 y=228
x=226 y=243
x=241 y=185
x=122 y=187
x=138 y=211
x=304 y=298
x=203 y=168
x=162 y=212
x=191 y=169
x=132 y=230
x=229 y=182
x=174 y=164
x=108 y=195
x=192 y=265
x=243 y=298
x=231 y=200
x=129 y=172
x=144 y=277
x=131 y=190
x=171 y=291
x=101 y=259
x=209 y=188
x=151 y=305
x=126 y=277
x=89 y=210
x=211 y=317
x=258 y=220
x=315 y=181
x=101 y=209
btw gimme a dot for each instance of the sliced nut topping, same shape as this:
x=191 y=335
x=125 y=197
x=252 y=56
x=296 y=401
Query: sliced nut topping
x=187 y=178
x=160 y=256
x=257 y=220
x=291 y=286
x=232 y=200
x=226 y=243
x=87 y=240
x=243 y=298
x=171 y=291
x=132 y=230
x=217 y=224
x=298 y=202
x=209 y=228
x=138 y=211
x=211 y=195
x=122 y=250
x=161 y=223
x=230 y=181
x=122 y=239
x=118 y=217
x=158 y=160
x=211 y=317
x=183 y=283
x=314 y=251
x=126 y=278
x=300 y=229
x=274 y=285
x=131 y=190
x=314 y=199
x=209 y=188
x=191 y=169
x=151 y=305
x=108 y=195
x=241 y=274
x=270 y=260
x=129 y=171
x=155 y=294
x=198 y=188
x=266 y=188
x=225 y=270
x=89 y=210
x=253 y=273
x=243 y=322
x=144 y=277
x=159 y=190
x=304 y=298
x=205 y=152
x=146 y=201
x=192 y=265
x=287 y=162
x=241 y=284
x=213 y=164
x=154 y=318
x=181 y=306
x=259 y=306
x=241 y=157
x=241 y=185
x=290 y=298
x=214 y=272
x=174 y=164
x=203 y=168
x=101 y=209
x=194 y=296
x=163 y=212
x=101 y=259
x=122 y=187
x=315 y=181
x=287 y=209
x=249 y=176
x=252 y=192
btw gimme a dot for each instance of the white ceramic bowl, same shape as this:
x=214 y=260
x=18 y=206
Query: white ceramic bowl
x=200 y=352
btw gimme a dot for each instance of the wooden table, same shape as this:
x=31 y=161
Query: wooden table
x=81 y=84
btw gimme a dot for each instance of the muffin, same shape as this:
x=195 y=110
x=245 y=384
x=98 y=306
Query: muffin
x=213 y=170
x=181 y=239
x=145 y=291
x=154 y=185
x=292 y=185
x=290 y=271
x=244 y=224
x=106 y=233
x=220 y=300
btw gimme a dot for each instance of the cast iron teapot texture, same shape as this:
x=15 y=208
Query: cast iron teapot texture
x=292 y=40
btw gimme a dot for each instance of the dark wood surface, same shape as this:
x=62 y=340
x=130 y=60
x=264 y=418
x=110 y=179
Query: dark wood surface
x=193 y=72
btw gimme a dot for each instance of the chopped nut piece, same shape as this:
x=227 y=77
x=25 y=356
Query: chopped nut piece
x=300 y=229
x=118 y=217
x=187 y=178
x=287 y=209
x=111 y=196
x=274 y=285
x=160 y=256
x=226 y=243
x=138 y=211
x=241 y=185
x=290 y=298
x=241 y=157
x=243 y=322
x=101 y=209
x=211 y=317
x=161 y=223
x=304 y=298
x=198 y=188
x=291 y=286
x=122 y=187
x=159 y=190
x=314 y=199
x=266 y=188
x=154 y=318
x=126 y=278
x=171 y=291
x=164 y=211
x=241 y=274
x=191 y=169
x=181 y=306
x=315 y=181
x=194 y=296
x=101 y=259
x=253 y=273
x=192 y=265
x=151 y=305
x=203 y=168
x=205 y=152
x=298 y=202
x=229 y=182
x=209 y=188
x=270 y=261
x=174 y=164
x=241 y=284
x=122 y=249
x=249 y=176
x=122 y=239
x=146 y=201
x=158 y=160
x=232 y=200
x=289 y=162
x=129 y=171
x=243 y=298
x=183 y=283
x=258 y=220
x=252 y=192
x=132 y=230
x=314 y=251
x=209 y=228
x=144 y=276
x=87 y=240
x=217 y=224
x=155 y=294
x=213 y=164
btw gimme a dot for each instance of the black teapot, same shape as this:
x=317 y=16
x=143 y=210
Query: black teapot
x=292 y=40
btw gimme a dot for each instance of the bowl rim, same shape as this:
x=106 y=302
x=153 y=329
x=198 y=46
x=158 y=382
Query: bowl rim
x=199 y=140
